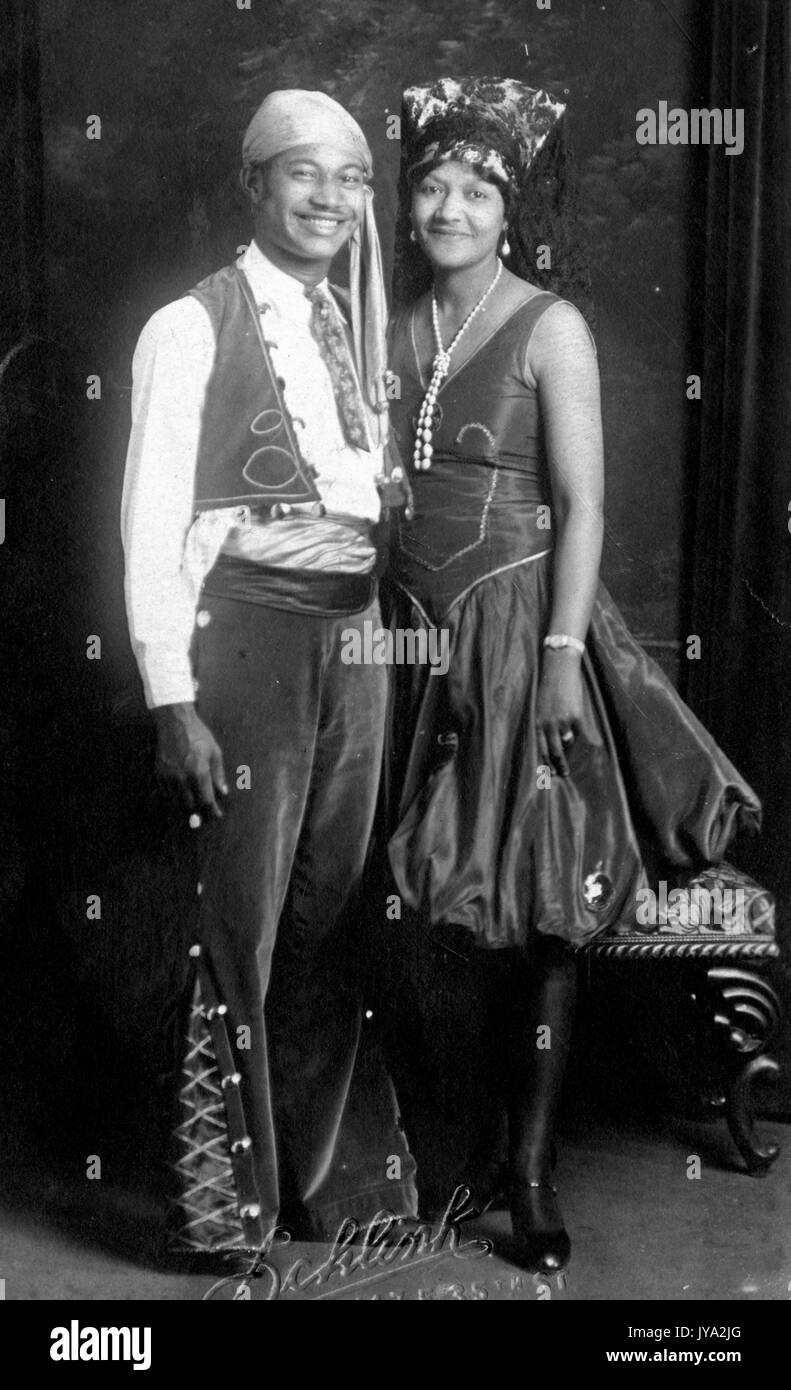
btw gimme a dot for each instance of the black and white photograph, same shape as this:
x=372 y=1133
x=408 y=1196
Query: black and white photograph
x=395 y=727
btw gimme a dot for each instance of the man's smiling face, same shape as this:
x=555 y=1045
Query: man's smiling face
x=307 y=203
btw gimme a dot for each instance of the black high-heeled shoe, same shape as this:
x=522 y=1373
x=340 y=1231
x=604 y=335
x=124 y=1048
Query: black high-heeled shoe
x=542 y=1250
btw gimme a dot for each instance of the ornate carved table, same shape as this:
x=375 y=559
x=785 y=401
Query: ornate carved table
x=714 y=934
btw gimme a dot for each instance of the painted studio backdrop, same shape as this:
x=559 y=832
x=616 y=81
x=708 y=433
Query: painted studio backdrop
x=686 y=251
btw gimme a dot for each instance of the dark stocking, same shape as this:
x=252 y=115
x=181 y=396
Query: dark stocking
x=545 y=1001
x=542 y=999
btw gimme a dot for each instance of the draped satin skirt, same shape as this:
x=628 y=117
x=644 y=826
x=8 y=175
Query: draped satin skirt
x=482 y=836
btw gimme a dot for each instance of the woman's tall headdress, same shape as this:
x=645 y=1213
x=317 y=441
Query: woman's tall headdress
x=498 y=124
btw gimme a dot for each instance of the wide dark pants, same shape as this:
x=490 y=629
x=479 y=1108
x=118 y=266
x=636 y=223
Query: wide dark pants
x=280 y=925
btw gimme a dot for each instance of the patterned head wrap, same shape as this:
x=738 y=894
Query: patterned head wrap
x=497 y=123
x=292 y=117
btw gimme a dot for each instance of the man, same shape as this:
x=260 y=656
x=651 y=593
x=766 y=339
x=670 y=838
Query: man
x=255 y=467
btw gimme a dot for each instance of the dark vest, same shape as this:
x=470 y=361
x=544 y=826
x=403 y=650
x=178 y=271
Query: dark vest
x=248 y=450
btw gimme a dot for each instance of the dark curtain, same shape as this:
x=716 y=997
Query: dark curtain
x=21 y=183
x=57 y=983
x=22 y=301
x=740 y=551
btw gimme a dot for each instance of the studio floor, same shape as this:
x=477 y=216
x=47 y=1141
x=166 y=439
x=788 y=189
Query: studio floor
x=641 y=1229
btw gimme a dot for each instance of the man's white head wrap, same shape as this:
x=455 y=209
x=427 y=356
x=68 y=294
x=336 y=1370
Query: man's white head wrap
x=293 y=117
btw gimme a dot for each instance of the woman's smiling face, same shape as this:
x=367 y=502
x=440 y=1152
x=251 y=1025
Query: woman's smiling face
x=458 y=215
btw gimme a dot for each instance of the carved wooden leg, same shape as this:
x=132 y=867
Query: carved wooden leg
x=758 y=1158
x=746 y=1014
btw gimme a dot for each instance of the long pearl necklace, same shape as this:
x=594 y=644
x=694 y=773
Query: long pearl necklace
x=424 y=449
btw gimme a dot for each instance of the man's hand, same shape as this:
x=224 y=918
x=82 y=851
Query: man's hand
x=559 y=707
x=189 y=762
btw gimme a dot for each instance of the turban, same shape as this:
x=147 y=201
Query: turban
x=289 y=118
x=293 y=117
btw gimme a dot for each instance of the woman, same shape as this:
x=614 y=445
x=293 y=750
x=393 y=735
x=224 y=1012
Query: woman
x=553 y=770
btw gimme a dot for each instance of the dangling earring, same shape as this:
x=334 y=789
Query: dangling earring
x=505 y=249
x=412 y=236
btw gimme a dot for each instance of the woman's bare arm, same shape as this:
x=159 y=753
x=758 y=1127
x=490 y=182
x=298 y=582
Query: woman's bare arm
x=562 y=360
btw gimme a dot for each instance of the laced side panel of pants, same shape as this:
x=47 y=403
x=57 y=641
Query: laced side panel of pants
x=217 y=1204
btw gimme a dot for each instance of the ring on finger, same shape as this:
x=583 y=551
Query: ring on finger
x=568 y=737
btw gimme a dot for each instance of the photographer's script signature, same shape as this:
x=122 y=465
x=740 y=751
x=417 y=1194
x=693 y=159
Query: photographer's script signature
x=359 y=1255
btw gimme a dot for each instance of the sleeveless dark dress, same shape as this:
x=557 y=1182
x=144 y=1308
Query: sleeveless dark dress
x=479 y=837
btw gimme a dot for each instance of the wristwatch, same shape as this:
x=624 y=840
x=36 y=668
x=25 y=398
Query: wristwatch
x=558 y=640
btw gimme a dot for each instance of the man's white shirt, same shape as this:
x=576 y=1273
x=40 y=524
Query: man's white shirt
x=168 y=550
